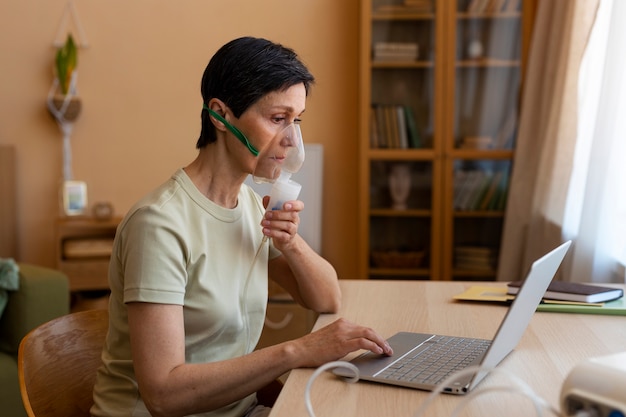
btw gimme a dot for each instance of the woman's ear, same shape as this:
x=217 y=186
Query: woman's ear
x=219 y=107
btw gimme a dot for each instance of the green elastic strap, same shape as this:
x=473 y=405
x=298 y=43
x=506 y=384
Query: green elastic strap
x=238 y=134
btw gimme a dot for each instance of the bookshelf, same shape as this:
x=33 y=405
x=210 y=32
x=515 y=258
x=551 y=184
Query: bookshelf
x=440 y=84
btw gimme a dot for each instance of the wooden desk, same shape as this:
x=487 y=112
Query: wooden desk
x=551 y=346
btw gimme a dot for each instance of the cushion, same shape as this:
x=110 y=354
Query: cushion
x=9 y=280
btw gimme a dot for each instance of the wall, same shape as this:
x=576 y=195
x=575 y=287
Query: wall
x=139 y=82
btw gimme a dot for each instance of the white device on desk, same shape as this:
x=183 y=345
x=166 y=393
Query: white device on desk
x=596 y=388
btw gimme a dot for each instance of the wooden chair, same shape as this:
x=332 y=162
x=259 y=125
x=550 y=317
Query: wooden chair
x=57 y=364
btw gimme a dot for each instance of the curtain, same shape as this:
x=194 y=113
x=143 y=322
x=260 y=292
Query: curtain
x=595 y=214
x=547 y=133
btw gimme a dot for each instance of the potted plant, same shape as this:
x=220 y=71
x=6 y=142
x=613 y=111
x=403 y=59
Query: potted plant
x=63 y=102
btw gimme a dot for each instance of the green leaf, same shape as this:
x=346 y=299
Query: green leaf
x=66 y=62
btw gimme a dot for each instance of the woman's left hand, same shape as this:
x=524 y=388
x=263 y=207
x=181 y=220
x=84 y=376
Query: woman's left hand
x=282 y=225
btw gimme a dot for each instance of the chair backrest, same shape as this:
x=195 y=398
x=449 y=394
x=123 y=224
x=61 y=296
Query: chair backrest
x=57 y=364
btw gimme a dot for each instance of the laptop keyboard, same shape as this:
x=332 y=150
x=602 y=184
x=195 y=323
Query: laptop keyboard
x=436 y=359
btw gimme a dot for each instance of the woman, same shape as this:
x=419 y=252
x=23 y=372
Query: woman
x=191 y=260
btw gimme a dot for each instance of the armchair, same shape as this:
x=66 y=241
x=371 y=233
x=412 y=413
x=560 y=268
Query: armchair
x=43 y=294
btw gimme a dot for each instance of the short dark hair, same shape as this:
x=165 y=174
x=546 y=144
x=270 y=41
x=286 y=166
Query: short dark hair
x=244 y=70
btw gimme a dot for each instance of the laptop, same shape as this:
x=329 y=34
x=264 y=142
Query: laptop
x=422 y=361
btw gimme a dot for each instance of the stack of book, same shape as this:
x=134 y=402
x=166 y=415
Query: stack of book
x=419 y=5
x=393 y=126
x=493 y=6
x=395 y=51
x=561 y=297
x=408 y=7
x=574 y=291
x=475 y=258
x=480 y=190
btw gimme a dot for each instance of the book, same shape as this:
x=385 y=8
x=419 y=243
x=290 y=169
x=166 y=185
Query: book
x=391 y=117
x=513 y=6
x=402 y=131
x=395 y=51
x=491 y=191
x=415 y=140
x=475 y=258
x=383 y=140
x=610 y=308
x=573 y=291
x=498 y=294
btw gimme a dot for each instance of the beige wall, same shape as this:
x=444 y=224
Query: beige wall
x=139 y=81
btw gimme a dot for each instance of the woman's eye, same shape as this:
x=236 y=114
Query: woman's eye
x=284 y=120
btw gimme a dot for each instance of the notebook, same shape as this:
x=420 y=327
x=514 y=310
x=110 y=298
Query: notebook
x=415 y=354
x=575 y=291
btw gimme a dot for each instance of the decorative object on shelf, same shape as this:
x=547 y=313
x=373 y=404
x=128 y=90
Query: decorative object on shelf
x=65 y=106
x=475 y=49
x=102 y=210
x=399 y=185
x=63 y=101
x=74 y=197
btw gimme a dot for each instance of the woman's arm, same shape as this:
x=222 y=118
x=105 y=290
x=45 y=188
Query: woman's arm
x=171 y=387
x=308 y=277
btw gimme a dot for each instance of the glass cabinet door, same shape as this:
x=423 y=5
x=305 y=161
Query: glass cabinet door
x=487 y=84
x=402 y=83
x=440 y=90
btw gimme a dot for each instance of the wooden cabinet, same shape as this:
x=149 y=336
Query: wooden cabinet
x=440 y=84
x=83 y=251
x=285 y=319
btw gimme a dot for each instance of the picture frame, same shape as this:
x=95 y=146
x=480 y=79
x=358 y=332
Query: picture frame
x=74 y=197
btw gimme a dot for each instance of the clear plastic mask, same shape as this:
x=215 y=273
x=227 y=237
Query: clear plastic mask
x=282 y=157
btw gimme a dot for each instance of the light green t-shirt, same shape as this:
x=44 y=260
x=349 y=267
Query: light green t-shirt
x=177 y=247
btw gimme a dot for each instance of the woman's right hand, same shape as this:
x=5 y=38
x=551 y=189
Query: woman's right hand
x=333 y=342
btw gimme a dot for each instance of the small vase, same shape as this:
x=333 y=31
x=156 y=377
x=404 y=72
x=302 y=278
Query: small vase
x=71 y=112
x=475 y=49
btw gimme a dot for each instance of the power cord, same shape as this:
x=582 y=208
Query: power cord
x=519 y=387
x=320 y=370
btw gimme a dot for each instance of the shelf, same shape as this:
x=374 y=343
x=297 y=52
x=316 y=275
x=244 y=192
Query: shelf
x=402 y=154
x=488 y=63
x=400 y=213
x=444 y=113
x=476 y=154
x=479 y=214
x=402 y=64
x=402 y=16
x=497 y=15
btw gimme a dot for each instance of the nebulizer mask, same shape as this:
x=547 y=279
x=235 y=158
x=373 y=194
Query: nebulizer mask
x=278 y=163
x=282 y=157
